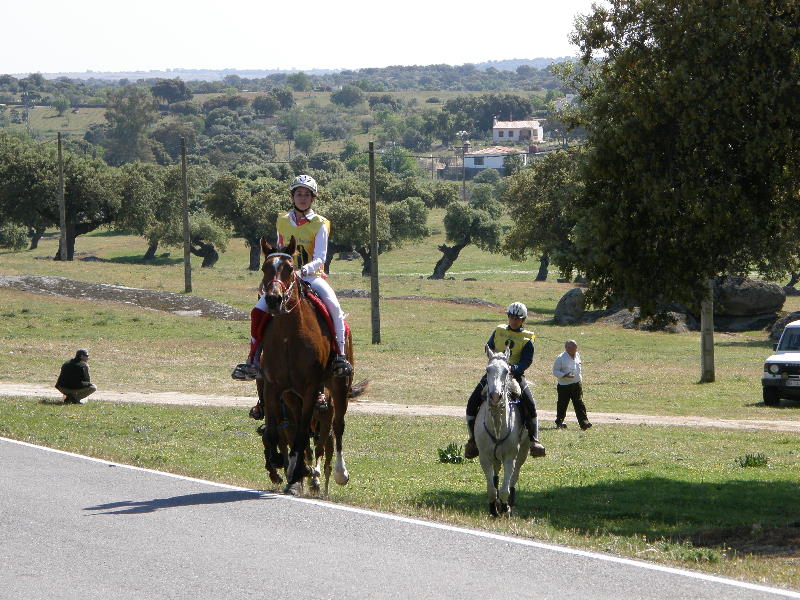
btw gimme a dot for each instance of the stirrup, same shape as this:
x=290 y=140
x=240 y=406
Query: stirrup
x=537 y=449
x=342 y=366
x=471 y=449
x=322 y=403
x=244 y=372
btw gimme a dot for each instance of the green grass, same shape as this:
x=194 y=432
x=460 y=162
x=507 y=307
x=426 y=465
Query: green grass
x=674 y=495
x=45 y=122
x=431 y=349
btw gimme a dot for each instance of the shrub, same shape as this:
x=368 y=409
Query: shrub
x=13 y=237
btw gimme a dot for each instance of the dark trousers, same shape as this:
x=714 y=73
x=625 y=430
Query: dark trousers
x=527 y=403
x=573 y=392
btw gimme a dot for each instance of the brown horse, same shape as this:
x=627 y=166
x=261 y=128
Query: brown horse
x=298 y=349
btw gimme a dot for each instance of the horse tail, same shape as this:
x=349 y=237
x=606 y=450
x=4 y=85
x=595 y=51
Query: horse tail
x=359 y=388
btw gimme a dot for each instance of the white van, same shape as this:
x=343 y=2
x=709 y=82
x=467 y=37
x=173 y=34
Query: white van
x=781 y=377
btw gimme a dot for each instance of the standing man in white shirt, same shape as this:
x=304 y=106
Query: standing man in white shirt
x=567 y=369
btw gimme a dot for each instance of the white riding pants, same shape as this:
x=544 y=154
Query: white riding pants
x=328 y=296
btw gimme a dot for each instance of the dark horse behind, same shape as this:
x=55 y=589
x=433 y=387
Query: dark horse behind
x=298 y=350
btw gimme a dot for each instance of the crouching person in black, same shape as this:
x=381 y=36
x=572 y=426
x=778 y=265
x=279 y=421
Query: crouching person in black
x=73 y=381
x=520 y=342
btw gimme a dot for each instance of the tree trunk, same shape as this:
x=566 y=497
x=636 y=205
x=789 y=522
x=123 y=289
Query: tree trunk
x=71 y=234
x=151 y=251
x=793 y=281
x=35 y=235
x=334 y=248
x=449 y=256
x=366 y=264
x=255 y=253
x=544 y=263
x=206 y=251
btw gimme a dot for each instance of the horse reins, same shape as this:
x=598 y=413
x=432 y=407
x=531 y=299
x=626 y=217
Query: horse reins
x=504 y=396
x=286 y=290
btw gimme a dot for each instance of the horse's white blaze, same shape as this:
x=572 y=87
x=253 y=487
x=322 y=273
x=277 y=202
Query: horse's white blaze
x=340 y=475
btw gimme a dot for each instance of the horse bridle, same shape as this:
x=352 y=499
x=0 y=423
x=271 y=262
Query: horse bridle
x=500 y=405
x=286 y=289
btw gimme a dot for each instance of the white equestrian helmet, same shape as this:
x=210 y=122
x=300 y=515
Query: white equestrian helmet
x=305 y=181
x=517 y=309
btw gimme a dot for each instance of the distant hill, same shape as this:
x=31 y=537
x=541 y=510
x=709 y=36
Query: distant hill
x=220 y=74
x=511 y=65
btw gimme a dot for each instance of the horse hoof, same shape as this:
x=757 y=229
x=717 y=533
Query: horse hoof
x=293 y=489
x=505 y=510
x=314 y=487
x=341 y=477
x=493 y=509
x=277 y=460
x=276 y=478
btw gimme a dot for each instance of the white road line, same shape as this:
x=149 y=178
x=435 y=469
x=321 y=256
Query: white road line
x=433 y=525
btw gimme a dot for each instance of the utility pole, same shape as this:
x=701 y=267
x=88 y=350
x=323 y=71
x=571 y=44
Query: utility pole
x=62 y=208
x=373 y=251
x=464 y=172
x=187 y=262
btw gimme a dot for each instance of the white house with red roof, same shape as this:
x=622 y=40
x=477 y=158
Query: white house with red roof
x=526 y=132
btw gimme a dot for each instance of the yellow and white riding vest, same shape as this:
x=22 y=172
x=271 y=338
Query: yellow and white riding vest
x=305 y=235
x=515 y=340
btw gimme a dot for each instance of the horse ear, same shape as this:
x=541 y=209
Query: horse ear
x=290 y=249
x=265 y=247
x=489 y=352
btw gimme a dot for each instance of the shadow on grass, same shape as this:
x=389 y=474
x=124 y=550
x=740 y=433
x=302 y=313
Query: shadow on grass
x=137 y=259
x=129 y=507
x=747 y=344
x=652 y=507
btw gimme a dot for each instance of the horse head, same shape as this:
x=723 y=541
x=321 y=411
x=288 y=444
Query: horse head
x=280 y=289
x=498 y=373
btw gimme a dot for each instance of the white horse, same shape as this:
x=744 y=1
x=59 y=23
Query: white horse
x=500 y=434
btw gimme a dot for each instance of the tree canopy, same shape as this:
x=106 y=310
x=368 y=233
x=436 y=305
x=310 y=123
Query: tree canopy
x=692 y=111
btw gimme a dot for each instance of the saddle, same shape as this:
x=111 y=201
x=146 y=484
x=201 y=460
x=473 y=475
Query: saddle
x=319 y=305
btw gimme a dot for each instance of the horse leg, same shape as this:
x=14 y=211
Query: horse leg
x=339 y=393
x=505 y=489
x=274 y=476
x=297 y=468
x=488 y=466
x=275 y=459
x=328 y=459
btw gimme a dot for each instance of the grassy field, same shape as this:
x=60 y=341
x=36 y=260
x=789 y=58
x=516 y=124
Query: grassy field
x=434 y=345
x=723 y=502
x=45 y=122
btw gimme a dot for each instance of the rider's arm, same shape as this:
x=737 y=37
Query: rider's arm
x=525 y=360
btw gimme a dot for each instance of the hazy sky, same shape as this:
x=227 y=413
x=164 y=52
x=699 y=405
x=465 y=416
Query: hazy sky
x=111 y=35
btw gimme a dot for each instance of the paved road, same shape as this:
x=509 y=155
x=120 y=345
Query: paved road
x=546 y=416
x=78 y=528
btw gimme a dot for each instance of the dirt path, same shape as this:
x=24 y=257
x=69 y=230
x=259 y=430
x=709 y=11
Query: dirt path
x=426 y=410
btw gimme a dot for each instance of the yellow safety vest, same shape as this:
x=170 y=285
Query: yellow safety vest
x=516 y=340
x=305 y=235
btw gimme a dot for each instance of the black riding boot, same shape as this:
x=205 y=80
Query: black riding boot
x=471 y=448
x=537 y=449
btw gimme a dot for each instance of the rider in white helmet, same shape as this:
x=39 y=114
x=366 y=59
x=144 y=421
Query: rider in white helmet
x=520 y=342
x=311 y=232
